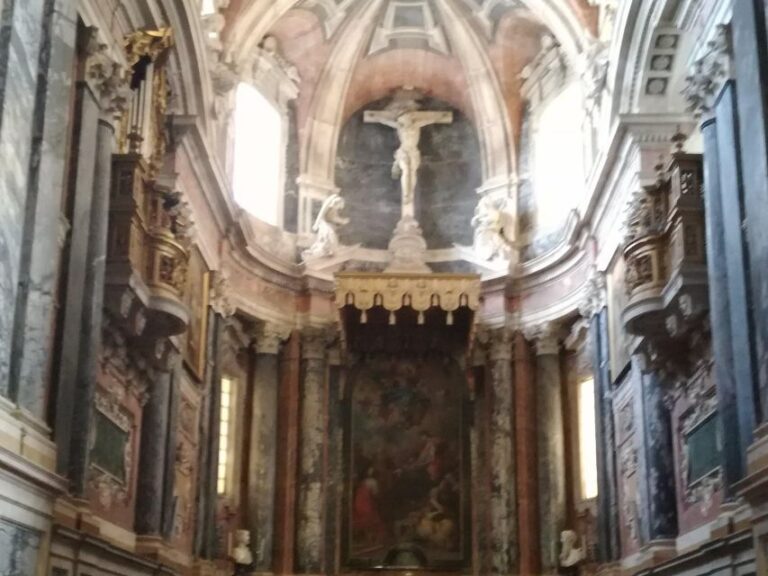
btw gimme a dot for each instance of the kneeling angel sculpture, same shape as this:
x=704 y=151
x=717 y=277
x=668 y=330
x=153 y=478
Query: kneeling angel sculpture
x=327 y=222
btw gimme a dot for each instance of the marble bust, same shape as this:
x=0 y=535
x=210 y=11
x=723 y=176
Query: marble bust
x=242 y=553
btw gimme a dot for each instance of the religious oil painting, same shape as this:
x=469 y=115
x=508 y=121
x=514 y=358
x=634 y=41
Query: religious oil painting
x=407 y=463
x=196 y=296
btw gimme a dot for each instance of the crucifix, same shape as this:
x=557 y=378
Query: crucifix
x=408 y=124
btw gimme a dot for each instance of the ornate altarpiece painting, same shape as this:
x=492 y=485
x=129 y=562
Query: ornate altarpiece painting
x=407 y=486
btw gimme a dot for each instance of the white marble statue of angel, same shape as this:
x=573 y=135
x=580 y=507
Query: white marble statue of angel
x=490 y=222
x=325 y=227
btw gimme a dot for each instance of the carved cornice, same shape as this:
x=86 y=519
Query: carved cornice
x=269 y=337
x=709 y=73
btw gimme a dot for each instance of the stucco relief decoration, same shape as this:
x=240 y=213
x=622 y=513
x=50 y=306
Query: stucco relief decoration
x=700 y=392
x=709 y=73
x=112 y=486
x=326 y=226
x=107 y=76
x=594 y=75
x=274 y=75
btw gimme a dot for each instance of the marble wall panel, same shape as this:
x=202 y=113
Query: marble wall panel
x=19 y=549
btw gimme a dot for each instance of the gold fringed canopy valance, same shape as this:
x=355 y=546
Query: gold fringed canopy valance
x=406 y=312
x=421 y=292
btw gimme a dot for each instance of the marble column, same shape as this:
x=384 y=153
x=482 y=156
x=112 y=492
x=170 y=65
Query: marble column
x=751 y=70
x=100 y=107
x=503 y=503
x=153 y=451
x=205 y=527
x=657 y=482
x=728 y=298
x=551 y=445
x=20 y=61
x=309 y=530
x=263 y=445
x=526 y=456
x=43 y=228
x=288 y=418
x=607 y=480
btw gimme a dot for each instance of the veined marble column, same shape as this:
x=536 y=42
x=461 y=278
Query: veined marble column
x=526 y=434
x=503 y=503
x=751 y=69
x=20 y=61
x=154 y=447
x=593 y=308
x=262 y=458
x=43 y=230
x=551 y=445
x=728 y=308
x=309 y=530
x=101 y=106
x=656 y=461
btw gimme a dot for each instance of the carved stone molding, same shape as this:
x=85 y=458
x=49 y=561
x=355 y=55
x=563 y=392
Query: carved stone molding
x=314 y=342
x=269 y=337
x=545 y=338
x=220 y=294
x=500 y=343
x=594 y=294
x=107 y=77
x=709 y=73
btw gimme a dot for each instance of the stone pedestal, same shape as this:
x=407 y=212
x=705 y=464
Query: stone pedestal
x=503 y=503
x=263 y=453
x=309 y=529
x=408 y=249
x=551 y=447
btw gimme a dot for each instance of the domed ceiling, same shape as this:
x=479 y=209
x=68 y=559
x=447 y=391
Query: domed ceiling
x=469 y=55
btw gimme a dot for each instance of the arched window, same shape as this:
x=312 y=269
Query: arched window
x=587 y=439
x=258 y=156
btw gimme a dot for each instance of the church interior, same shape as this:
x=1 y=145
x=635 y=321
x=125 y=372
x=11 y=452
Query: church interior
x=320 y=287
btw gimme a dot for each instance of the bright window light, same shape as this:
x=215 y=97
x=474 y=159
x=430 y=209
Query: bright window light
x=225 y=435
x=587 y=439
x=258 y=154
x=558 y=158
x=208 y=7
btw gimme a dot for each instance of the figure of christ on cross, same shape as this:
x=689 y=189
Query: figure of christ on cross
x=408 y=157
